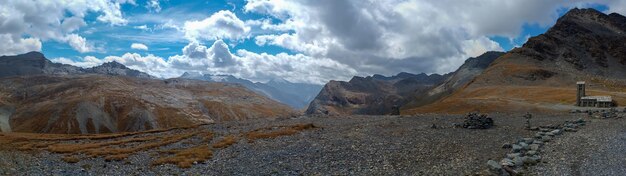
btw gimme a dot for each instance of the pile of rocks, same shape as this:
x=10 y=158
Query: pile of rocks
x=606 y=114
x=603 y=113
x=477 y=121
x=526 y=151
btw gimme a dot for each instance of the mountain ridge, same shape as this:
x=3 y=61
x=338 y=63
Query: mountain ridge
x=296 y=95
x=35 y=63
x=583 y=45
x=371 y=95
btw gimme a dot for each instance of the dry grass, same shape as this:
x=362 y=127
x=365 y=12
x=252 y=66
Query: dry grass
x=508 y=98
x=207 y=136
x=282 y=131
x=72 y=148
x=70 y=137
x=121 y=153
x=121 y=146
x=226 y=142
x=70 y=159
x=186 y=157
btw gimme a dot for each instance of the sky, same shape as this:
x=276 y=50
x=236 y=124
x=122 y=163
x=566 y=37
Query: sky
x=305 y=41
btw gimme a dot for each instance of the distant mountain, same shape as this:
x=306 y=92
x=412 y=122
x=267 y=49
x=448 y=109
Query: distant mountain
x=583 y=45
x=92 y=103
x=296 y=95
x=472 y=67
x=35 y=63
x=117 y=69
x=39 y=96
x=372 y=95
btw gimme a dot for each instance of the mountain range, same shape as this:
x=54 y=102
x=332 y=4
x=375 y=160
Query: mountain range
x=583 y=45
x=296 y=95
x=39 y=96
x=34 y=63
x=375 y=94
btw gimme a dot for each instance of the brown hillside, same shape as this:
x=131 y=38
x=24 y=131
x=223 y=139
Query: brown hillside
x=584 y=45
x=103 y=104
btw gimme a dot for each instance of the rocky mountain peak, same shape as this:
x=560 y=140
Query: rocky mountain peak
x=584 y=12
x=113 y=64
x=33 y=55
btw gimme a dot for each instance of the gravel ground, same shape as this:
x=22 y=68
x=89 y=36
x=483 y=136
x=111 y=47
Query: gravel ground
x=365 y=145
x=597 y=149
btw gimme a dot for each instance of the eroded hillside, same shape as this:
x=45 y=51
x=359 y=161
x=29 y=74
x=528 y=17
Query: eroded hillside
x=101 y=104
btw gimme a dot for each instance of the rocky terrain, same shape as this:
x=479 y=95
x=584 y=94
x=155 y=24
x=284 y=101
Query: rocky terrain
x=100 y=104
x=296 y=95
x=39 y=96
x=373 y=95
x=464 y=74
x=583 y=45
x=325 y=145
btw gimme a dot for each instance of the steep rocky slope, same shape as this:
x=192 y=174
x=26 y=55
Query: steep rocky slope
x=372 y=95
x=472 y=67
x=33 y=63
x=296 y=95
x=583 y=45
x=99 y=104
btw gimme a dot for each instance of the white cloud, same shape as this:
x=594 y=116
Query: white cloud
x=139 y=46
x=150 y=64
x=54 y=20
x=153 y=5
x=11 y=45
x=218 y=59
x=85 y=62
x=221 y=25
x=142 y=27
x=199 y=57
x=334 y=39
x=399 y=35
x=79 y=43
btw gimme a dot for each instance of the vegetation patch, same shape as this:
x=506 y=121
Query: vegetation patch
x=121 y=153
x=226 y=142
x=281 y=131
x=70 y=148
x=186 y=157
x=70 y=159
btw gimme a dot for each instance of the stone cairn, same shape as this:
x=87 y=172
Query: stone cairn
x=477 y=121
x=528 y=116
x=526 y=151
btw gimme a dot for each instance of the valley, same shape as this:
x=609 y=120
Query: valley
x=551 y=103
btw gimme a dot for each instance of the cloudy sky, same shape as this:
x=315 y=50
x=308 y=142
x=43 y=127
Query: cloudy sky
x=309 y=41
